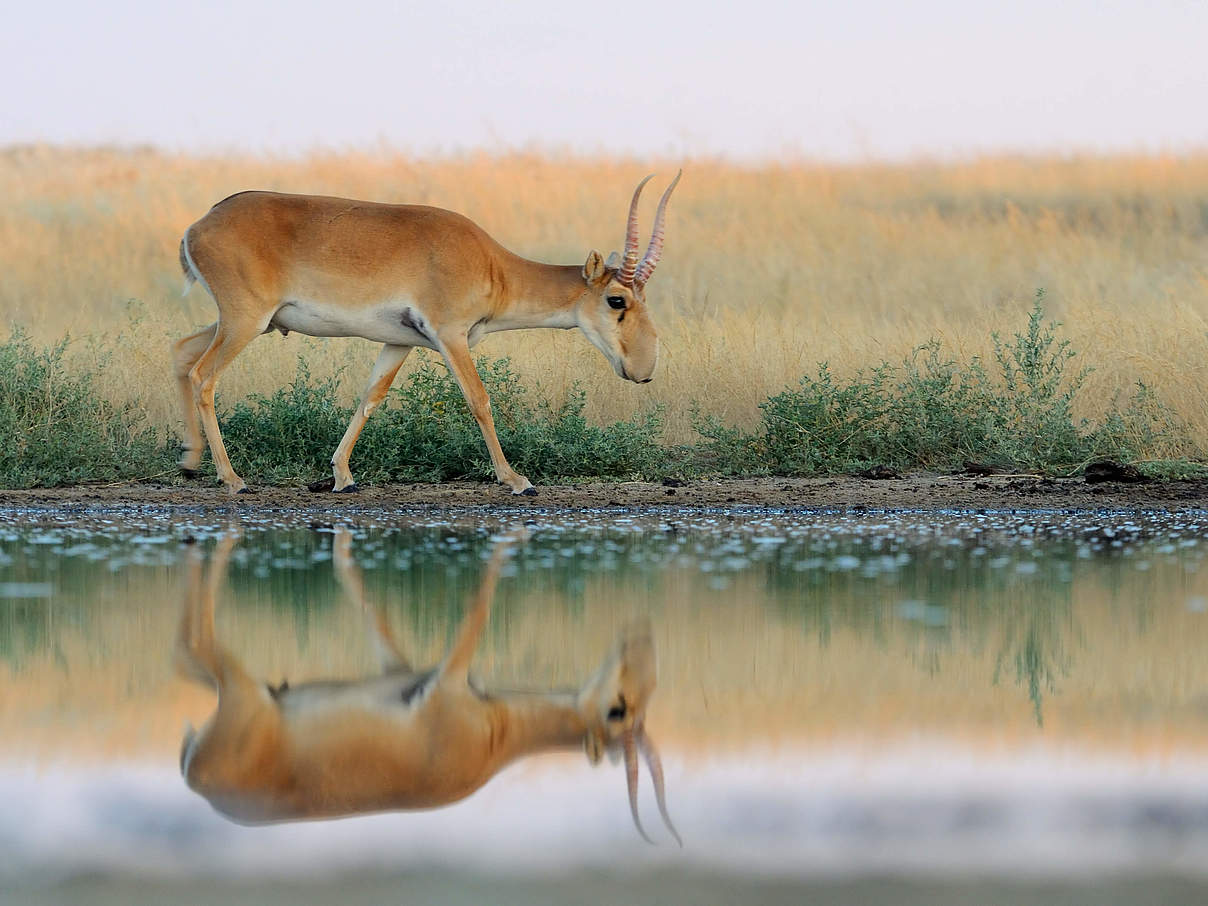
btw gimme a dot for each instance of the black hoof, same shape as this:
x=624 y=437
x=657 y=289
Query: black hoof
x=245 y=491
x=529 y=492
x=190 y=474
x=351 y=489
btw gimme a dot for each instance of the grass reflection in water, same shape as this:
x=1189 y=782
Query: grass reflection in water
x=771 y=631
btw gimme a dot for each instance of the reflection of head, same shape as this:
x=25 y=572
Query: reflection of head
x=620 y=692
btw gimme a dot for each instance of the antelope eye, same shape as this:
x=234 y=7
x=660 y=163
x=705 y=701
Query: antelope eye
x=617 y=302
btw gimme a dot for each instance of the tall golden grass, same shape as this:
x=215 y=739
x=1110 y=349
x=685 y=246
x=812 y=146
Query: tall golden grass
x=768 y=269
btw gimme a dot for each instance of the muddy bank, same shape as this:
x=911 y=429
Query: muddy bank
x=915 y=492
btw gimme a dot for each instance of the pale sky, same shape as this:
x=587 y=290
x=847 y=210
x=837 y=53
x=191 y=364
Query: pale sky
x=757 y=79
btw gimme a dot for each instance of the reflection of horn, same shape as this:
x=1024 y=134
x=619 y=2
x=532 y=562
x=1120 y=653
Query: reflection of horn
x=655 y=766
x=631 y=778
x=630 y=264
x=186 y=747
x=655 y=250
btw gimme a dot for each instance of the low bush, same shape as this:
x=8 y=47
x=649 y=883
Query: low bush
x=931 y=411
x=425 y=432
x=57 y=430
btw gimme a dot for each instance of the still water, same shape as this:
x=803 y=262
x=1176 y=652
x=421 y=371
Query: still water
x=975 y=701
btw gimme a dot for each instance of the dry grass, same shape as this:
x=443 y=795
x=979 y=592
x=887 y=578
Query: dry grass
x=768 y=270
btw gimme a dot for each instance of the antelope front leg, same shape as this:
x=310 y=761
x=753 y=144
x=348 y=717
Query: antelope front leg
x=390 y=654
x=457 y=354
x=456 y=665
x=389 y=361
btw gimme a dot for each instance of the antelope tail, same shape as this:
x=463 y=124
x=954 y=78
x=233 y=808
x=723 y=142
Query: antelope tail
x=189 y=267
x=190 y=279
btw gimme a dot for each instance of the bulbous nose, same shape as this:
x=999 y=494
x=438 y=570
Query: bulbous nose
x=640 y=365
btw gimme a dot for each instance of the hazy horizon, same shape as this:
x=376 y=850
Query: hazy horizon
x=867 y=80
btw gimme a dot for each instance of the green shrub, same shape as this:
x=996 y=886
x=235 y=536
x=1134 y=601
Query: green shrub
x=289 y=436
x=56 y=430
x=425 y=432
x=929 y=411
x=933 y=412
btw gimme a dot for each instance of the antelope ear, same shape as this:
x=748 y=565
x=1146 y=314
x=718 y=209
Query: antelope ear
x=594 y=270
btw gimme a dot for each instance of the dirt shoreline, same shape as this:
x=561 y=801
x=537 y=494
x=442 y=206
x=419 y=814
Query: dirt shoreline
x=912 y=492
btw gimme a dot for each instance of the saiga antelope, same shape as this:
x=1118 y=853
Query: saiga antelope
x=407 y=739
x=401 y=275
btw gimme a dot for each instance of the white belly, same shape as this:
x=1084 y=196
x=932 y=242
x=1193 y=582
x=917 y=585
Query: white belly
x=396 y=323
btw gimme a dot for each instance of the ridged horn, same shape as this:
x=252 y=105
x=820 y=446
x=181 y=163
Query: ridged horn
x=655 y=250
x=629 y=264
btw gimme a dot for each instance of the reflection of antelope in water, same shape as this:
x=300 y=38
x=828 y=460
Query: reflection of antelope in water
x=407 y=739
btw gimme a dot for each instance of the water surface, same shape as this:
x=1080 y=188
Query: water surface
x=952 y=696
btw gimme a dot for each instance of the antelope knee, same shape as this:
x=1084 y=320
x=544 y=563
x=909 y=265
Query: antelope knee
x=203 y=390
x=481 y=408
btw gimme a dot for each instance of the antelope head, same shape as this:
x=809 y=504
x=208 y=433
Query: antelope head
x=613 y=312
x=629 y=675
